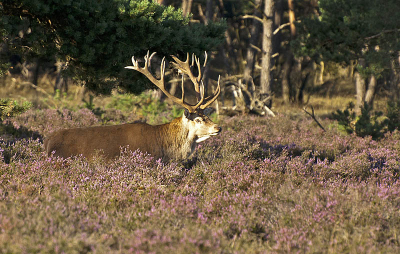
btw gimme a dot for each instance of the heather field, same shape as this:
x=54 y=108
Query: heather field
x=265 y=185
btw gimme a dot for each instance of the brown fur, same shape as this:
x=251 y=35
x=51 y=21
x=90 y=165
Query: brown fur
x=174 y=140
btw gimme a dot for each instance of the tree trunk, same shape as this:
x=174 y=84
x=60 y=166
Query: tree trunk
x=186 y=7
x=206 y=70
x=266 y=64
x=370 y=93
x=300 y=92
x=395 y=80
x=209 y=10
x=296 y=74
x=321 y=73
x=251 y=52
x=287 y=66
x=292 y=18
x=174 y=86
x=277 y=38
x=231 y=52
x=61 y=83
x=364 y=94
x=360 y=92
x=36 y=72
x=289 y=60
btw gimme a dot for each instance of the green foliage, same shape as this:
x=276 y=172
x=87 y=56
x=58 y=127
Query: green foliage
x=59 y=95
x=124 y=102
x=214 y=117
x=90 y=105
x=369 y=123
x=345 y=119
x=96 y=38
x=349 y=30
x=60 y=100
x=393 y=115
x=145 y=107
x=10 y=108
x=176 y=112
x=152 y=109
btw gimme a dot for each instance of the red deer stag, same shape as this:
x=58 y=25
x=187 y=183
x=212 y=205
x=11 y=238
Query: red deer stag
x=174 y=140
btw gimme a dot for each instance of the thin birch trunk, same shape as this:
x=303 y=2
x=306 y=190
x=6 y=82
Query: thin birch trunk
x=266 y=64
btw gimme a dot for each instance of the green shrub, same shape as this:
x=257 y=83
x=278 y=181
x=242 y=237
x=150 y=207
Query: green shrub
x=144 y=106
x=369 y=123
x=124 y=102
x=10 y=108
x=393 y=115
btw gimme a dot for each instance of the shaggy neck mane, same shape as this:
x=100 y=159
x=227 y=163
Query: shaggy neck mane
x=176 y=138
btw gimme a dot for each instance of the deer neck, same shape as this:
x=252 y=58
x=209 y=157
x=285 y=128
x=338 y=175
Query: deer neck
x=182 y=141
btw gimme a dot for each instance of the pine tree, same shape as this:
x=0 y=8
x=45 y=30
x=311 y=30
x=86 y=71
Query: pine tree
x=96 y=38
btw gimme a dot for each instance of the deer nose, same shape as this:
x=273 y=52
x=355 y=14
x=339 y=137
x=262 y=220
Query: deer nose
x=219 y=129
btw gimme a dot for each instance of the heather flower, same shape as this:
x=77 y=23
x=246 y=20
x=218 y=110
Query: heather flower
x=263 y=185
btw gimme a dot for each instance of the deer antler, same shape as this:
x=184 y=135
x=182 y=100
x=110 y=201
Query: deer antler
x=212 y=98
x=184 y=67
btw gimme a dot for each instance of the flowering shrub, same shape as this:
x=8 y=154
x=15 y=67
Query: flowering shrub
x=48 y=120
x=263 y=185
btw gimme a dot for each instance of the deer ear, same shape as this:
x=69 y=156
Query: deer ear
x=186 y=112
x=208 y=111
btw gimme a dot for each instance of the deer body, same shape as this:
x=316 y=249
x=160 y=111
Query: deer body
x=174 y=140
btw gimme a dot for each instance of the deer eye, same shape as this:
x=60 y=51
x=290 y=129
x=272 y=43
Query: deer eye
x=197 y=120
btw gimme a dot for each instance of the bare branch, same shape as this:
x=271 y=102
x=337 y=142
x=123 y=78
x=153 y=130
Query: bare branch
x=252 y=17
x=313 y=116
x=381 y=33
x=255 y=47
x=281 y=27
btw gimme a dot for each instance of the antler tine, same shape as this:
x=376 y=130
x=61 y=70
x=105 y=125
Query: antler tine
x=133 y=62
x=184 y=67
x=159 y=82
x=197 y=60
x=162 y=70
x=146 y=60
x=151 y=56
x=205 y=58
x=183 y=89
x=198 y=68
x=201 y=96
x=211 y=99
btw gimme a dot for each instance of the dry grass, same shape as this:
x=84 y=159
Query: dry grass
x=325 y=99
